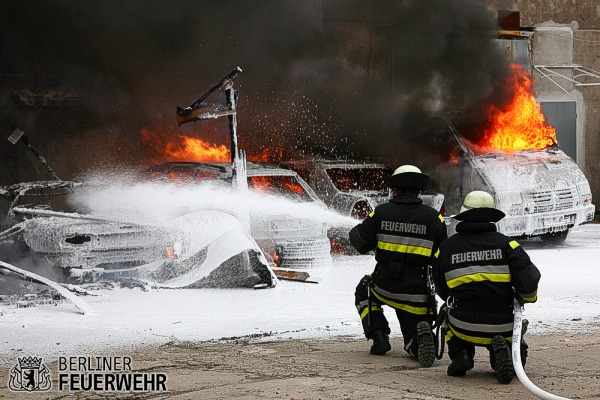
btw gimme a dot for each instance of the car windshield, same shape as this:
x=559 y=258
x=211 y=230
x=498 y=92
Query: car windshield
x=180 y=174
x=286 y=186
x=349 y=179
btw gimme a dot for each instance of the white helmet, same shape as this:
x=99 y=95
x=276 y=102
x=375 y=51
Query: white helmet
x=479 y=206
x=406 y=176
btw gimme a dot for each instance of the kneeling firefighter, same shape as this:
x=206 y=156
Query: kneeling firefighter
x=405 y=234
x=479 y=272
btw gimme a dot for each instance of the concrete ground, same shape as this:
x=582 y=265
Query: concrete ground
x=566 y=365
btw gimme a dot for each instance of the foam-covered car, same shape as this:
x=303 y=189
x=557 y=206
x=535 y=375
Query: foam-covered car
x=289 y=241
x=543 y=192
x=196 y=249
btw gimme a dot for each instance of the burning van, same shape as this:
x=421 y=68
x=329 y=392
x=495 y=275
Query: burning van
x=512 y=152
x=290 y=241
x=542 y=192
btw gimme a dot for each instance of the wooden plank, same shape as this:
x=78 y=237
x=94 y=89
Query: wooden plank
x=292 y=275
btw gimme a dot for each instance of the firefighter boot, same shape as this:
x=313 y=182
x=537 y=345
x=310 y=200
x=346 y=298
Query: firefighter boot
x=524 y=347
x=503 y=363
x=381 y=343
x=461 y=363
x=426 y=345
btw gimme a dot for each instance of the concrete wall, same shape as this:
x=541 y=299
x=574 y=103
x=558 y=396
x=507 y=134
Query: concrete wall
x=583 y=18
x=587 y=53
x=552 y=45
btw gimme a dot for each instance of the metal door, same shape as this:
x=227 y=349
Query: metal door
x=563 y=116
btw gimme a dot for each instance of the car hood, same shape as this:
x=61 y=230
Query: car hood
x=529 y=171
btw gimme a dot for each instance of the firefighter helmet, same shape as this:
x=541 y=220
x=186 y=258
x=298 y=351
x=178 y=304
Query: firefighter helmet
x=409 y=176
x=479 y=206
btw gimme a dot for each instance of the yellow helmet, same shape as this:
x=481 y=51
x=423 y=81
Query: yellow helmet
x=479 y=206
x=477 y=199
x=406 y=168
x=406 y=176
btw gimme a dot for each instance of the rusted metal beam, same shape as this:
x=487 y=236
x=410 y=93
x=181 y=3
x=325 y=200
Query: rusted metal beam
x=184 y=112
x=17 y=135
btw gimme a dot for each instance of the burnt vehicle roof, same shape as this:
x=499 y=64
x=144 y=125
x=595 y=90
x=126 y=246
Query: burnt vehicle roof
x=331 y=163
x=332 y=166
x=222 y=169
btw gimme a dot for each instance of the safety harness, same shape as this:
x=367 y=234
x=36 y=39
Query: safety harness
x=369 y=283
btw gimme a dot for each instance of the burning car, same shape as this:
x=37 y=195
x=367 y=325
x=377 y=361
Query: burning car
x=289 y=242
x=351 y=188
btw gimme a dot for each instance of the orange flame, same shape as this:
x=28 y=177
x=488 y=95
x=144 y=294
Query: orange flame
x=521 y=125
x=173 y=146
x=273 y=155
x=170 y=252
x=261 y=183
x=195 y=149
x=165 y=140
x=337 y=247
x=294 y=187
x=267 y=183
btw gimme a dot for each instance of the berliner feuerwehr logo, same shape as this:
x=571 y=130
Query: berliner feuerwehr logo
x=29 y=375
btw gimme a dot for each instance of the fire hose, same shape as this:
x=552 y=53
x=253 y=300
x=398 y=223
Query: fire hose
x=516 y=358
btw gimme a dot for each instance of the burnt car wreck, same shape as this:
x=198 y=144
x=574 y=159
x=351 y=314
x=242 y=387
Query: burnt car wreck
x=352 y=188
x=287 y=241
x=190 y=251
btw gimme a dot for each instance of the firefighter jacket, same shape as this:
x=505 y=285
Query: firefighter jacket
x=405 y=233
x=479 y=272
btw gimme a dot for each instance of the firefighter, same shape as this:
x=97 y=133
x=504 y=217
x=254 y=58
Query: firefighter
x=479 y=272
x=405 y=234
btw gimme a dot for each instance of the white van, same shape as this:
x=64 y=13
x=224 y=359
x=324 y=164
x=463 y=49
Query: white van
x=542 y=192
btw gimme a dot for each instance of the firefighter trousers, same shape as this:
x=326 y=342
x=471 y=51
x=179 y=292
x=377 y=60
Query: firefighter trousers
x=374 y=319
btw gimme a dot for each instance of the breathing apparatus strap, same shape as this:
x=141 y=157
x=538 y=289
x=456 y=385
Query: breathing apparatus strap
x=441 y=326
x=431 y=301
x=369 y=283
x=439 y=319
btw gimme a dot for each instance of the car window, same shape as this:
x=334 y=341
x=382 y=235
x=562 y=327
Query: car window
x=286 y=186
x=180 y=173
x=348 y=179
x=303 y=171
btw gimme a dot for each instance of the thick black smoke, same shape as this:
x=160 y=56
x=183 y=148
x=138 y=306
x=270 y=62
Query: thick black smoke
x=349 y=78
